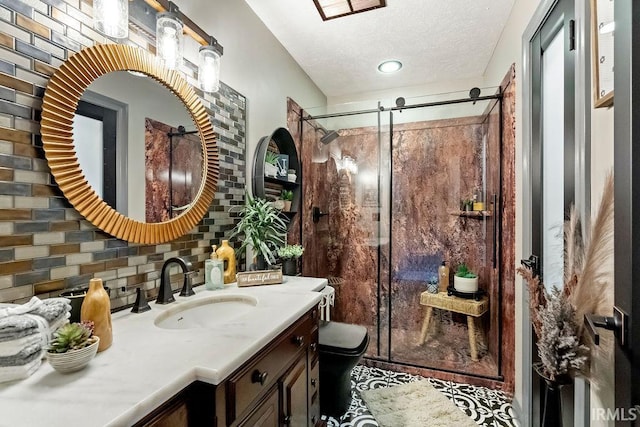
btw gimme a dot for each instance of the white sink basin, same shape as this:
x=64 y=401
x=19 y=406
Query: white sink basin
x=206 y=312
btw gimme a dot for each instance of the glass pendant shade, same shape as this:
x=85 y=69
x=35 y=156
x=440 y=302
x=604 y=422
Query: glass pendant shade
x=111 y=17
x=208 y=69
x=169 y=39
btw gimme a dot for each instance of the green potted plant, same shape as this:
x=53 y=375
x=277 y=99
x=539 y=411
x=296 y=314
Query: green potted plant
x=289 y=255
x=263 y=228
x=287 y=197
x=466 y=205
x=73 y=346
x=465 y=280
x=270 y=164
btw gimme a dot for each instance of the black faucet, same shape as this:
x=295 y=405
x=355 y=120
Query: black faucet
x=165 y=294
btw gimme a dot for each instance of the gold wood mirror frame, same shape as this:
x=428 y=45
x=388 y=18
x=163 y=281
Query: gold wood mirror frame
x=64 y=90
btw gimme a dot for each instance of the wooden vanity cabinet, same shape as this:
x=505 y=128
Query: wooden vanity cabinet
x=191 y=407
x=277 y=387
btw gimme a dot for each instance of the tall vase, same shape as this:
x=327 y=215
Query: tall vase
x=552 y=409
x=96 y=307
x=226 y=253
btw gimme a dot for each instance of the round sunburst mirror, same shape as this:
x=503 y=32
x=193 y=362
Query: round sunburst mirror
x=68 y=87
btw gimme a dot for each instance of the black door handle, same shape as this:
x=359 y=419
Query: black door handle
x=618 y=323
x=317 y=214
x=533 y=263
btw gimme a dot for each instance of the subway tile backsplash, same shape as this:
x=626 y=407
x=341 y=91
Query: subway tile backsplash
x=45 y=245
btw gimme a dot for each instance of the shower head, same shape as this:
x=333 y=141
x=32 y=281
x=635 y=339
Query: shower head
x=329 y=135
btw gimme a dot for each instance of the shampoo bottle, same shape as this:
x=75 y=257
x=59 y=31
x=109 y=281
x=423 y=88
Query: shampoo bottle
x=443 y=277
x=226 y=253
x=213 y=271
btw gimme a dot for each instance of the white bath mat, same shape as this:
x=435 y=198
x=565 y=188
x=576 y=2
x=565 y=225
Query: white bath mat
x=415 y=404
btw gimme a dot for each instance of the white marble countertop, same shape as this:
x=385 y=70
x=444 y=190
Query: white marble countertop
x=147 y=365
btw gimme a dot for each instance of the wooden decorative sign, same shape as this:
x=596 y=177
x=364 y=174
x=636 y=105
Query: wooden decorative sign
x=260 y=277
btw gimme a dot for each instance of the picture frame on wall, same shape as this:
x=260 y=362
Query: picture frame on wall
x=283 y=166
x=602 y=32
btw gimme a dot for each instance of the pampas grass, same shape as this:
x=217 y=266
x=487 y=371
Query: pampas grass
x=596 y=273
x=588 y=280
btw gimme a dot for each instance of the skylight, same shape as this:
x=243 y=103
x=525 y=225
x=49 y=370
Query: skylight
x=331 y=9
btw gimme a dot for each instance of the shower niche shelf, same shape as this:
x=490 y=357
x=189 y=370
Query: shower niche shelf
x=472 y=214
x=268 y=187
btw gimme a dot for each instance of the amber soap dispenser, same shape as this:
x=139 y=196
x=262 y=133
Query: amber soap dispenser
x=443 y=277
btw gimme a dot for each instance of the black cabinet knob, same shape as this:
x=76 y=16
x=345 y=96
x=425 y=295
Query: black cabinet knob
x=313 y=346
x=313 y=382
x=259 y=377
x=298 y=340
x=286 y=420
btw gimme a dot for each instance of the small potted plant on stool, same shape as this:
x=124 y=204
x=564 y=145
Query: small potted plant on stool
x=465 y=280
x=289 y=255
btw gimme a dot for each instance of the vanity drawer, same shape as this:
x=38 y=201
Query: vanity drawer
x=252 y=381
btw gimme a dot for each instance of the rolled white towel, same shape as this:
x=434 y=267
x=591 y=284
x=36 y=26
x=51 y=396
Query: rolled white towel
x=24 y=356
x=10 y=348
x=52 y=308
x=16 y=326
x=33 y=304
x=13 y=373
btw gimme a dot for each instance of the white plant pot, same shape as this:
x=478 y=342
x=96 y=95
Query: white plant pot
x=292 y=177
x=270 y=170
x=463 y=284
x=73 y=360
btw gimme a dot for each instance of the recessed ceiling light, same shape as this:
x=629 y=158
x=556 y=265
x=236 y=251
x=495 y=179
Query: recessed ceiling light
x=390 y=66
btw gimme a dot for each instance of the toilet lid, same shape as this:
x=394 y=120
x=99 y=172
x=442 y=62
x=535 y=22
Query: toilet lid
x=342 y=338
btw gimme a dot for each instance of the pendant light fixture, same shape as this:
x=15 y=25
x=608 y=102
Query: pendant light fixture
x=111 y=17
x=209 y=67
x=169 y=41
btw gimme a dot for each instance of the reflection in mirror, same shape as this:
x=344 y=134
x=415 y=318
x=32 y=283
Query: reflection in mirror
x=129 y=130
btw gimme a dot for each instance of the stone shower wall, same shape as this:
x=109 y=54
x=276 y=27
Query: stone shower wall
x=45 y=245
x=344 y=243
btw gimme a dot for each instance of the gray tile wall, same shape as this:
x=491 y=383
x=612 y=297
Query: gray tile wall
x=45 y=245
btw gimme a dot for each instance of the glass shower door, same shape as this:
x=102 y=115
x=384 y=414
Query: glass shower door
x=440 y=160
x=346 y=240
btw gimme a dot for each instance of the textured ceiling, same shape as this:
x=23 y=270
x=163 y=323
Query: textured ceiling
x=436 y=40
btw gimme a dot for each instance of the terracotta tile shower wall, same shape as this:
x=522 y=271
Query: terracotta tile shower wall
x=45 y=245
x=177 y=170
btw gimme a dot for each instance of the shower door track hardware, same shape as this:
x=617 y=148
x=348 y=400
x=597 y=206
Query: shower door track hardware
x=405 y=107
x=181 y=132
x=191 y=132
x=449 y=371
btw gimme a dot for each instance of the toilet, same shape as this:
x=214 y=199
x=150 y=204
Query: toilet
x=341 y=347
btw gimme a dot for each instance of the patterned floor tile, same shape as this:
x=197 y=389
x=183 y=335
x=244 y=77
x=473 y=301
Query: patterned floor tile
x=491 y=408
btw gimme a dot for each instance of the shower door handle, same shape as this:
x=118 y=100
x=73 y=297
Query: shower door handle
x=496 y=232
x=317 y=214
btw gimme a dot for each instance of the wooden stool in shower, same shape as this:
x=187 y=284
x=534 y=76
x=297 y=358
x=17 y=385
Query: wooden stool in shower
x=471 y=308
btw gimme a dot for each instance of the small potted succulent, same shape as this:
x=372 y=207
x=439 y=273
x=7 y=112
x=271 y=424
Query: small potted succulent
x=466 y=205
x=287 y=197
x=289 y=255
x=73 y=346
x=465 y=280
x=270 y=164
